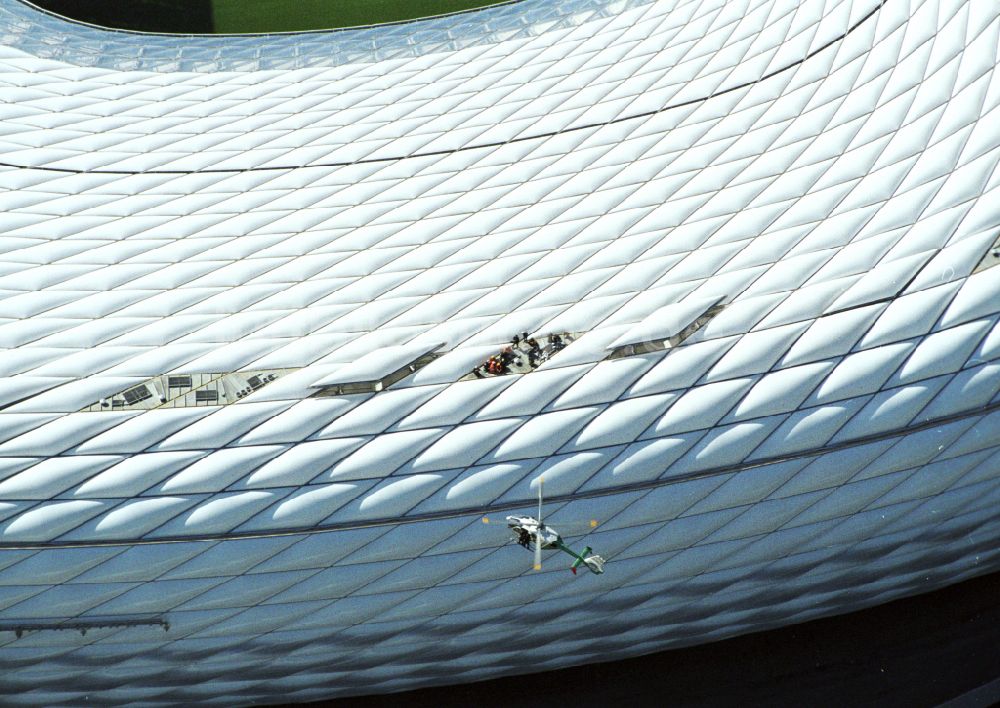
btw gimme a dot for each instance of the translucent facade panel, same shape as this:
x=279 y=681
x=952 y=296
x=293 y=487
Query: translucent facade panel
x=779 y=216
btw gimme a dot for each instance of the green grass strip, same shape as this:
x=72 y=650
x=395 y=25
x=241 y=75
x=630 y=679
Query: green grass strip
x=241 y=16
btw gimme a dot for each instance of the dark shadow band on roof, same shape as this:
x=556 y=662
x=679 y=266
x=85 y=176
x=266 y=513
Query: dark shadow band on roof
x=520 y=503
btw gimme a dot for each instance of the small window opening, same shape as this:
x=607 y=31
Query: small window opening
x=379 y=384
x=522 y=355
x=991 y=258
x=654 y=345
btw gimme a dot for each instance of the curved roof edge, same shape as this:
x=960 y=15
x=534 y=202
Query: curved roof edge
x=44 y=34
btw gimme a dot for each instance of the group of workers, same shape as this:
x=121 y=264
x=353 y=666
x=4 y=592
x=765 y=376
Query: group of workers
x=511 y=358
